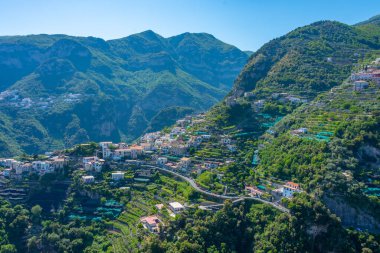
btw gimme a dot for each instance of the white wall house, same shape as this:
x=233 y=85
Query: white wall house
x=151 y=223
x=117 y=175
x=162 y=160
x=290 y=188
x=176 y=207
x=7 y=172
x=88 y=179
x=360 y=85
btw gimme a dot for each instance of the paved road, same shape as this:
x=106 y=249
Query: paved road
x=219 y=196
x=192 y=183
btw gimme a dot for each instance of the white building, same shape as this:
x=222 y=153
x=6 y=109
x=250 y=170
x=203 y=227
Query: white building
x=206 y=136
x=105 y=148
x=7 y=172
x=299 y=131
x=120 y=153
x=7 y=162
x=15 y=164
x=42 y=167
x=176 y=207
x=89 y=159
x=360 y=85
x=290 y=188
x=225 y=140
x=25 y=167
x=259 y=103
x=94 y=165
x=88 y=179
x=184 y=162
x=162 y=160
x=117 y=175
x=136 y=151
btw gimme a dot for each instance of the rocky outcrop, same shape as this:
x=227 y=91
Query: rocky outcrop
x=351 y=216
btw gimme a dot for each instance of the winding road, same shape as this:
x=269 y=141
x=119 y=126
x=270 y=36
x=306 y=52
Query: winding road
x=219 y=196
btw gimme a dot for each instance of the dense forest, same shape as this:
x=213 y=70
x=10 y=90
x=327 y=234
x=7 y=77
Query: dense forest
x=64 y=90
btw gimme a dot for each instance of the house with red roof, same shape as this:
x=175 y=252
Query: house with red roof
x=151 y=223
x=290 y=188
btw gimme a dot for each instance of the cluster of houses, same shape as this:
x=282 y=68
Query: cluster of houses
x=93 y=164
x=362 y=78
x=13 y=98
x=15 y=168
x=156 y=142
x=161 y=145
x=283 y=98
x=153 y=223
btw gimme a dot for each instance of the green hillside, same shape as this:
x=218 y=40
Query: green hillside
x=338 y=156
x=301 y=64
x=327 y=141
x=60 y=90
x=307 y=60
x=300 y=81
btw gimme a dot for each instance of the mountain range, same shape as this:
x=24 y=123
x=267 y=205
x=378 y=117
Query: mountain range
x=61 y=90
x=293 y=119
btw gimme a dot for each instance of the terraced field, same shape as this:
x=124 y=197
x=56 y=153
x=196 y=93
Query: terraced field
x=125 y=232
x=323 y=116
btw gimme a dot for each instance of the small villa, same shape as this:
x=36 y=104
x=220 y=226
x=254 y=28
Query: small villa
x=360 y=85
x=159 y=206
x=116 y=176
x=151 y=223
x=88 y=179
x=162 y=160
x=254 y=192
x=89 y=159
x=184 y=162
x=176 y=207
x=290 y=188
x=7 y=172
x=299 y=131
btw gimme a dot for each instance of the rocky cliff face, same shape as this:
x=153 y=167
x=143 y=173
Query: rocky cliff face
x=352 y=217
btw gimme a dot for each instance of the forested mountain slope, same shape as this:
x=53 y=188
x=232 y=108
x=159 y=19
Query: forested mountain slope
x=339 y=155
x=300 y=64
x=294 y=115
x=336 y=155
x=59 y=90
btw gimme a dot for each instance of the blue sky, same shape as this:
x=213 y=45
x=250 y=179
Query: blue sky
x=247 y=24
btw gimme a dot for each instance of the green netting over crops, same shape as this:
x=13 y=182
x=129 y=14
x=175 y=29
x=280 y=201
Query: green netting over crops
x=84 y=217
x=200 y=133
x=268 y=124
x=243 y=134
